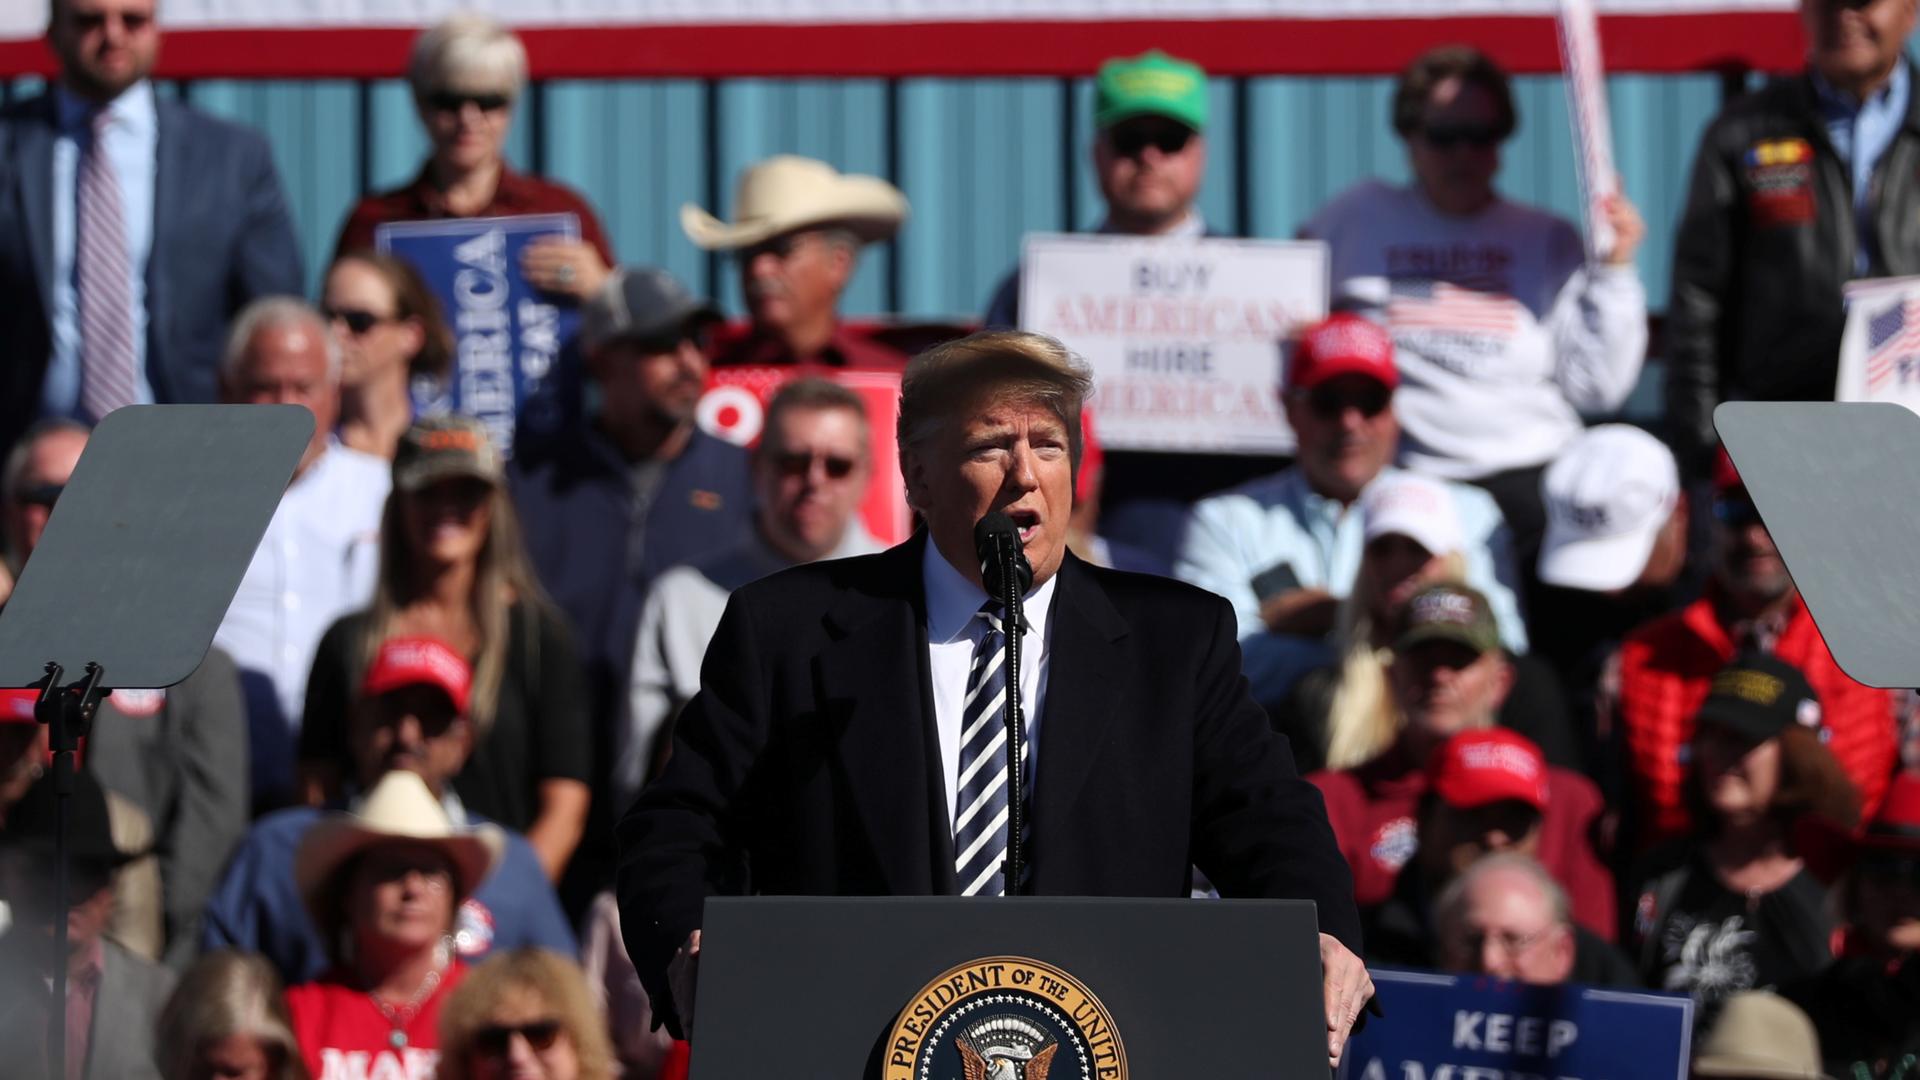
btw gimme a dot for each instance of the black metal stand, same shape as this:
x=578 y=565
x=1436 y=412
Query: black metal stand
x=68 y=713
x=1014 y=621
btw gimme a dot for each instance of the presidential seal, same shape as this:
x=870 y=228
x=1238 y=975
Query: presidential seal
x=1004 y=1018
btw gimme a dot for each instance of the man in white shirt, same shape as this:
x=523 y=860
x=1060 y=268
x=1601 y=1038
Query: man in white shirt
x=320 y=555
x=809 y=473
x=1285 y=548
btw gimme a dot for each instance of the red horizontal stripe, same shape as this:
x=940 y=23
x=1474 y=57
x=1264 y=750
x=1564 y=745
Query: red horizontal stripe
x=1524 y=44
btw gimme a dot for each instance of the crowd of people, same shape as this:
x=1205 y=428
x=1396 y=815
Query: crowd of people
x=1569 y=717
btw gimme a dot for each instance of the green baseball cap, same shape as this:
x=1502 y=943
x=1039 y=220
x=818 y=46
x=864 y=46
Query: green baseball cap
x=1449 y=613
x=1151 y=84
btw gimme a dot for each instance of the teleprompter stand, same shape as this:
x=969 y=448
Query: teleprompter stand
x=132 y=575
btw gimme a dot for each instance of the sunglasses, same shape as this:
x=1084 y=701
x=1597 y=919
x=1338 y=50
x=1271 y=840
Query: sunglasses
x=42 y=495
x=780 y=247
x=1473 y=136
x=798 y=464
x=452 y=101
x=358 y=321
x=1132 y=141
x=1735 y=511
x=1330 y=403
x=494 y=1039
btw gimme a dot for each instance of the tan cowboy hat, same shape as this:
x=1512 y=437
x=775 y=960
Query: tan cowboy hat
x=399 y=808
x=1760 y=1036
x=785 y=193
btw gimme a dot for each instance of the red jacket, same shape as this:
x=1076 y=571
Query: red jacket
x=1374 y=811
x=1666 y=668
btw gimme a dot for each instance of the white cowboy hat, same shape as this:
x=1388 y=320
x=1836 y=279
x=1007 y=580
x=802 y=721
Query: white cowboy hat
x=785 y=193
x=399 y=808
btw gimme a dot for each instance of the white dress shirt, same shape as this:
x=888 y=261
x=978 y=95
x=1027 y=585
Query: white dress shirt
x=952 y=635
x=317 y=562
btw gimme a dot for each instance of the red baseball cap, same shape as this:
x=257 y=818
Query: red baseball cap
x=1475 y=768
x=1725 y=477
x=1342 y=344
x=419 y=661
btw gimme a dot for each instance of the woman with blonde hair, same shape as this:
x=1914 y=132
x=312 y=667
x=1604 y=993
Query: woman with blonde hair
x=226 y=1019
x=466 y=73
x=452 y=568
x=1343 y=714
x=524 y=1014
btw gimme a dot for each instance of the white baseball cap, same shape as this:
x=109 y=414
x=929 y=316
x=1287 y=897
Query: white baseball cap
x=1418 y=507
x=1607 y=497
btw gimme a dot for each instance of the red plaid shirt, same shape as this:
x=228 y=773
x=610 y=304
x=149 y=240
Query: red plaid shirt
x=1666 y=667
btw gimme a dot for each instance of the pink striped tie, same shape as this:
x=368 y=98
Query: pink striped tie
x=105 y=282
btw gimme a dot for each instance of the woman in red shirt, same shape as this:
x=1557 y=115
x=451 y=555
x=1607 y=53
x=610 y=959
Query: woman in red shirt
x=466 y=73
x=383 y=887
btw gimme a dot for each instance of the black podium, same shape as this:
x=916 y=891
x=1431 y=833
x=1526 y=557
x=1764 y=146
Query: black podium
x=1022 y=988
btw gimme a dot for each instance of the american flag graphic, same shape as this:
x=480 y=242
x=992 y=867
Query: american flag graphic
x=1424 y=304
x=1892 y=336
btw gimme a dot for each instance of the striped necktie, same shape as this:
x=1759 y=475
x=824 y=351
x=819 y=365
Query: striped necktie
x=980 y=821
x=104 y=281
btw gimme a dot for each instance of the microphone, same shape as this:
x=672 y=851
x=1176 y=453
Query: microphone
x=996 y=542
x=1007 y=576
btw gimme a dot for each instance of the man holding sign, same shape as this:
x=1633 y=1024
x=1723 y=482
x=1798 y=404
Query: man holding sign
x=1798 y=188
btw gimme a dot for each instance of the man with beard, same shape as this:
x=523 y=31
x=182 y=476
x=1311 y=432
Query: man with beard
x=1666 y=667
x=608 y=505
x=133 y=228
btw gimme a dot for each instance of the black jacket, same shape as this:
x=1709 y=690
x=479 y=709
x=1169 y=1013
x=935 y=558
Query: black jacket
x=807 y=763
x=1764 y=247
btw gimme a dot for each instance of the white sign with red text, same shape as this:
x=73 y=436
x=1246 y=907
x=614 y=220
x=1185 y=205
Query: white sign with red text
x=1184 y=336
x=1586 y=77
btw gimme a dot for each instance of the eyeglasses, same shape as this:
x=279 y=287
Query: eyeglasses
x=42 y=495
x=799 y=464
x=358 y=320
x=1473 y=136
x=1735 y=511
x=453 y=101
x=1472 y=942
x=494 y=1039
x=1329 y=402
x=1131 y=140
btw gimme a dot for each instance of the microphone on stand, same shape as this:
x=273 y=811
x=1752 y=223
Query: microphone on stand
x=1007 y=576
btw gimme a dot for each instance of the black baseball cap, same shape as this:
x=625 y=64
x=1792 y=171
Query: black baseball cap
x=1758 y=696
x=644 y=304
x=30 y=824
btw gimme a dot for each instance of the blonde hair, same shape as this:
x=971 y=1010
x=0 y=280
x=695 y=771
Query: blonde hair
x=548 y=976
x=223 y=995
x=1362 y=720
x=467 y=51
x=502 y=576
x=999 y=365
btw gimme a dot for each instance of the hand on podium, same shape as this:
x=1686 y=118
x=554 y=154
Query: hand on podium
x=684 y=969
x=1344 y=980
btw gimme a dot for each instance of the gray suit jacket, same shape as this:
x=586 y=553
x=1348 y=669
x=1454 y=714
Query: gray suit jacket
x=132 y=993
x=186 y=766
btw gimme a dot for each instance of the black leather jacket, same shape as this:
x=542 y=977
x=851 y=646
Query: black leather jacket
x=1765 y=246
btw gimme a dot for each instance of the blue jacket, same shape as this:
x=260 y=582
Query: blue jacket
x=257 y=905
x=577 y=509
x=222 y=237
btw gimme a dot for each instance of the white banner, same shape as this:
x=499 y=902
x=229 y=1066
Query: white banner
x=1592 y=128
x=1183 y=335
x=27 y=18
x=1880 y=348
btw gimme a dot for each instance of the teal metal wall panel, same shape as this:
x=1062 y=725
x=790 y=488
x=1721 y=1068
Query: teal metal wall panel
x=983 y=161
